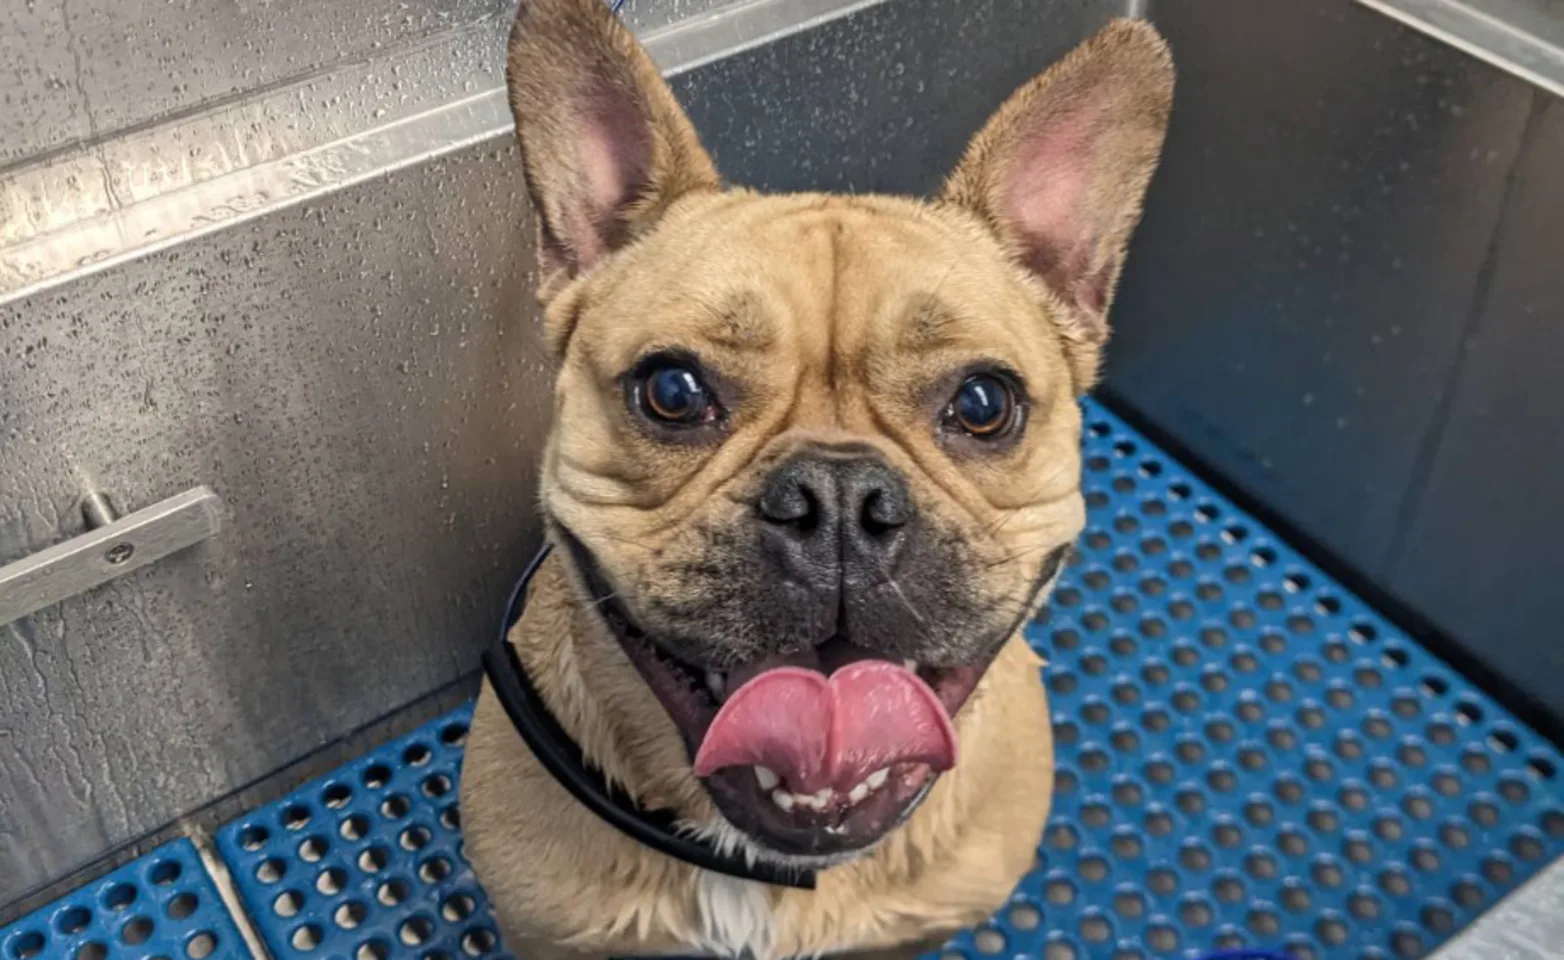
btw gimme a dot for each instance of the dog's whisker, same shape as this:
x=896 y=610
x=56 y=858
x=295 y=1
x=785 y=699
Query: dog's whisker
x=1016 y=555
x=902 y=596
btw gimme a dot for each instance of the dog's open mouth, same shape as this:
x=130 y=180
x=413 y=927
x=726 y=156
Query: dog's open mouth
x=813 y=754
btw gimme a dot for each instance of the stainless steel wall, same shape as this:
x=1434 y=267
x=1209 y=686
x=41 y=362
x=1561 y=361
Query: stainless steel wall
x=77 y=71
x=348 y=358
x=1346 y=298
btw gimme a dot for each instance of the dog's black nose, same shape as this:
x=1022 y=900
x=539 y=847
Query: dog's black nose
x=832 y=514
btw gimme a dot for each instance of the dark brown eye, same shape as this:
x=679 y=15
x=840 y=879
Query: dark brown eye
x=984 y=406
x=672 y=393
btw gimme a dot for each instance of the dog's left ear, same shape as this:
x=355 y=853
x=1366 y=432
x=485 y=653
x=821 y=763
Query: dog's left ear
x=605 y=145
x=1061 y=170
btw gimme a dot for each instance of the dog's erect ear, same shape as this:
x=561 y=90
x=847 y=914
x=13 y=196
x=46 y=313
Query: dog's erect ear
x=605 y=145
x=1061 y=170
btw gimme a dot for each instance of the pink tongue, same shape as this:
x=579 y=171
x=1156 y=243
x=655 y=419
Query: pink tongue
x=817 y=733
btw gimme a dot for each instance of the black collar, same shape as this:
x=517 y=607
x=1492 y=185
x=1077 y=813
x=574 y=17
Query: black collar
x=562 y=758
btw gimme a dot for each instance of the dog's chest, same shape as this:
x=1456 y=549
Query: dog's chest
x=737 y=918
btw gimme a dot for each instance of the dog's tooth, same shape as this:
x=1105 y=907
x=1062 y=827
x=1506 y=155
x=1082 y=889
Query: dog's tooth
x=715 y=683
x=877 y=779
x=910 y=665
x=783 y=799
x=816 y=801
x=767 y=778
x=858 y=793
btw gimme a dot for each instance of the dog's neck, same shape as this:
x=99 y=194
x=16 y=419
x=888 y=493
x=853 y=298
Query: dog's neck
x=562 y=644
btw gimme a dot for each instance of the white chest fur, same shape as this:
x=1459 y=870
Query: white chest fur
x=736 y=916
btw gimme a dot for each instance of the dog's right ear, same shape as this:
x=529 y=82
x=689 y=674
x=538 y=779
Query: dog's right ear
x=605 y=145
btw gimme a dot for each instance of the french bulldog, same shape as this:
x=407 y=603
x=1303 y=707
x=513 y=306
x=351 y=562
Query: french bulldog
x=814 y=463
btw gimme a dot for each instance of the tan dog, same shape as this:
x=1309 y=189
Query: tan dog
x=815 y=461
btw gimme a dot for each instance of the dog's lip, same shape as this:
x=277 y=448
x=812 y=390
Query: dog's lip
x=682 y=689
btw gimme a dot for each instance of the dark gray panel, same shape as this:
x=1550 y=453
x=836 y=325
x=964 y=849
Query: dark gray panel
x=1295 y=300
x=361 y=383
x=883 y=101
x=1485 y=549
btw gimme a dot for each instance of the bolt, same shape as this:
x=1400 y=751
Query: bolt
x=119 y=553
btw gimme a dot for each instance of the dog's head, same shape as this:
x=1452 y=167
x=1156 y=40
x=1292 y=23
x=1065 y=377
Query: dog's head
x=814 y=458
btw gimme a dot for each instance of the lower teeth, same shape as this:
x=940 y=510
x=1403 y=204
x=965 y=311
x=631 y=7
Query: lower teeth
x=824 y=798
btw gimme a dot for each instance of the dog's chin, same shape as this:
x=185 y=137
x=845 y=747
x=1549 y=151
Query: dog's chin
x=780 y=826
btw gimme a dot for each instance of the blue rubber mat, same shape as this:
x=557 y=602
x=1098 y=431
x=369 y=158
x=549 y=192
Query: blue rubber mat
x=161 y=906
x=1248 y=757
x=366 y=863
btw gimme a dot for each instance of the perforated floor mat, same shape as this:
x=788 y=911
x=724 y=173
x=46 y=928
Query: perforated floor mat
x=161 y=906
x=366 y=863
x=1247 y=757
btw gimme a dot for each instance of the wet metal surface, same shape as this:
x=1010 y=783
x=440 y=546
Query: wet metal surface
x=107 y=202
x=360 y=382
x=1523 y=37
x=1344 y=298
x=1527 y=925
x=82 y=70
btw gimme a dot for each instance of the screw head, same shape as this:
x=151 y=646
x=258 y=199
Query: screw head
x=119 y=553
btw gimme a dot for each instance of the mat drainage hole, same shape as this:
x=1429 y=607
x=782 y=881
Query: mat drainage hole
x=119 y=896
x=336 y=796
x=392 y=892
x=28 y=945
x=288 y=904
x=377 y=776
x=434 y=870
x=253 y=838
x=415 y=931
x=415 y=837
x=92 y=950
x=201 y=946
x=373 y=950
x=270 y=870
x=136 y=932
x=331 y=881
x=349 y=915
x=373 y=859
x=73 y=921
x=296 y=817
x=454 y=735
x=436 y=786
x=305 y=938
x=395 y=807
x=477 y=942
x=312 y=849
x=182 y=906
x=416 y=755
x=457 y=907
x=355 y=827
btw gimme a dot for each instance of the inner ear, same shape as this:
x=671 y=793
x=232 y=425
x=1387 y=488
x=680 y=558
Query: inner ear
x=605 y=145
x=1060 y=171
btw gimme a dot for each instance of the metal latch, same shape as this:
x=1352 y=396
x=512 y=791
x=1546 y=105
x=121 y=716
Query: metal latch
x=112 y=547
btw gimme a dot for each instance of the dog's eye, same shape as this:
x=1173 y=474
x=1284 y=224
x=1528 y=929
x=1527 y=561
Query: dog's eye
x=674 y=394
x=984 y=406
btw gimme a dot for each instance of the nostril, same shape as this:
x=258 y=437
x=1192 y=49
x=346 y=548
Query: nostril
x=882 y=513
x=791 y=503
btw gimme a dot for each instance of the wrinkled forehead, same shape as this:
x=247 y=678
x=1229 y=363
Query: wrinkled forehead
x=819 y=281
